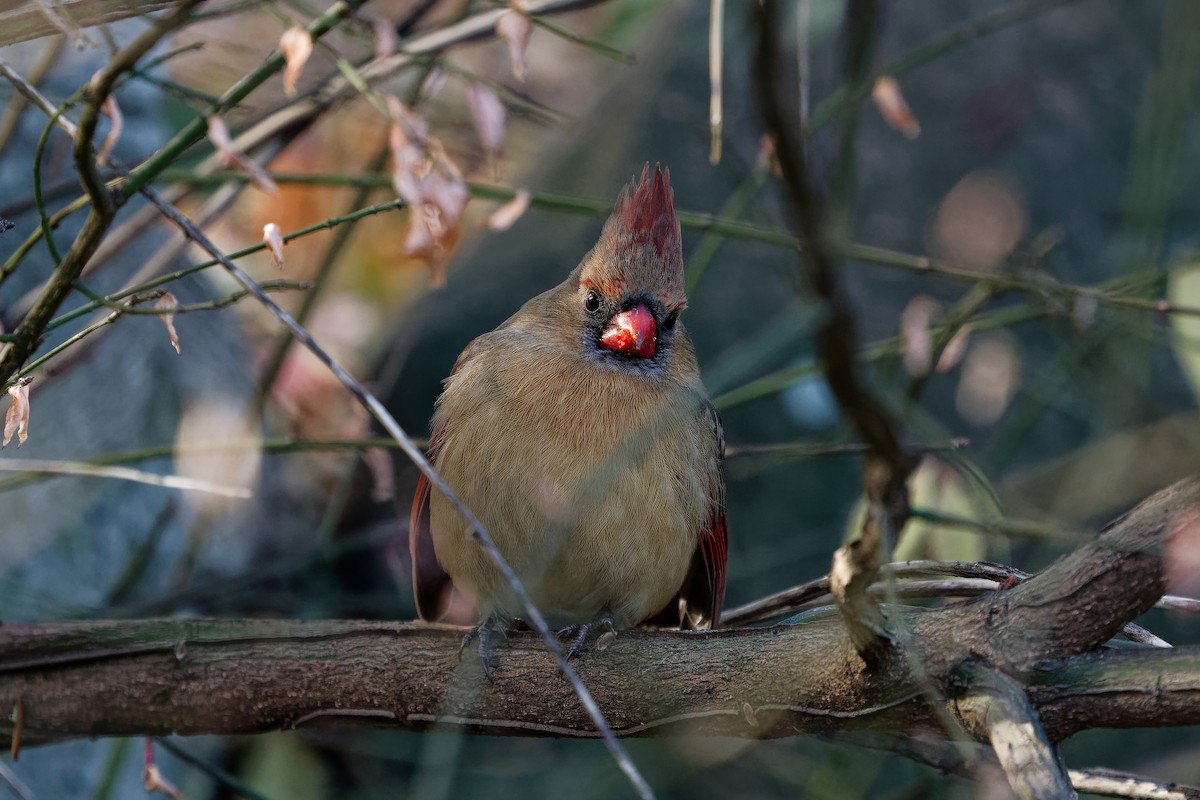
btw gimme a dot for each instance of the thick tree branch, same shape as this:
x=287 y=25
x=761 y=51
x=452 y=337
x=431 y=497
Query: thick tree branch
x=238 y=676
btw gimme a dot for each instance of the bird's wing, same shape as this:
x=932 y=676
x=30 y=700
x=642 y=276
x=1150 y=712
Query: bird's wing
x=703 y=592
x=431 y=584
x=698 y=604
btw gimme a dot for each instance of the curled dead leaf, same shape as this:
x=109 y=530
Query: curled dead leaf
x=384 y=33
x=893 y=107
x=432 y=186
x=916 y=339
x=489 y=115
x=766 y=157
x=379 y=464
x=218 y=134
x=504 y=216
x=433 y=83
x=110 y=107
x=514 y=26
x=153 y=781
x=296 y=44
x=273 y=238
x=954 y=350
x=167 y=304
x=16 y=421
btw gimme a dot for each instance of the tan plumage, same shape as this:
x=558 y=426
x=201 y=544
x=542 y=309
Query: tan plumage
x=583 y=440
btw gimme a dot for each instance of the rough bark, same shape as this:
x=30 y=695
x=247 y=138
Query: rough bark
x=244 y=676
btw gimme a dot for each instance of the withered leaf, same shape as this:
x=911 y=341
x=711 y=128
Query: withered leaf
x=167 y=304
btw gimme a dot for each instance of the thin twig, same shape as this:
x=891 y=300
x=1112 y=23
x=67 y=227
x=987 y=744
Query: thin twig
x=1112 y=783
x=328 y=261
x=716 y=64
x=533 y=615
x=51 y=467
x=14 y=784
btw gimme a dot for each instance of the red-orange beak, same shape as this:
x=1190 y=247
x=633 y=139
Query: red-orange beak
x=633 y=332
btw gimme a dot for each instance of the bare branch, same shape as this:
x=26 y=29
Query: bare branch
x=1111 y=783
x=239 y=676
x=888 y=464
x=25 y=21
x=995 y=707
x=151 y=677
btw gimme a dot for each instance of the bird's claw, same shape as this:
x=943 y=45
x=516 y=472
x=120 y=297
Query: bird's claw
x=491 y=633
x=579 y=633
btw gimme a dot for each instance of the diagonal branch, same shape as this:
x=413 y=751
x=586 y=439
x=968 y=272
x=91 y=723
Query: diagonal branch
x=532 y=616
x=995 y=708
x=888 y=463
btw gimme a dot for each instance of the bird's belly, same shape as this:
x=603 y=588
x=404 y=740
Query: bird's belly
x=612 y=531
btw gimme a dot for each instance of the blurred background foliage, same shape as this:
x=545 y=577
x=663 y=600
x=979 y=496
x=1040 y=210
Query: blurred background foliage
x=1046 y=205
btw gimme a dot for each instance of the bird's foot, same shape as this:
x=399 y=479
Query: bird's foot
x=579 y=633
x=491 y=633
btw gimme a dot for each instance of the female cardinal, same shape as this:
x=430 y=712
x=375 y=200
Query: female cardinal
x=581 y=436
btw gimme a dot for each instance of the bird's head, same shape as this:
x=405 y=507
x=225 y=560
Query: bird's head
x=631 y=283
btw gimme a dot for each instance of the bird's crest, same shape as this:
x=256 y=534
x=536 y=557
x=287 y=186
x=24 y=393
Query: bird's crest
x=643 y=235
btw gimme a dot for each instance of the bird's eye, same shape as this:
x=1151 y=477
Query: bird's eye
x=591 y=300
x=669 y=322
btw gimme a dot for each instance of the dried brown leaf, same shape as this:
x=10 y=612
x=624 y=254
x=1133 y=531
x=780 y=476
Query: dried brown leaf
x=514 y=28
x=954 y=350
x=893 y=107
x=153 y=781
x=385 y=35
x=425 y=177
x=489 y=115
x=766 y=157
x=379 y=464
x=218 y=134
x=915 y=337
x=503 y=217
x=16 y=421
x=297 y=45
x=167 y=304
x=445 y=186
x=110 y=107
x=273 y=238
x=433 y=83
x=252 y=168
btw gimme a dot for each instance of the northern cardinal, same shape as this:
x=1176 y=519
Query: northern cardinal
x=581 y=436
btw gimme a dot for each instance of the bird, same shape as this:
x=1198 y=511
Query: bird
x=580 y=435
